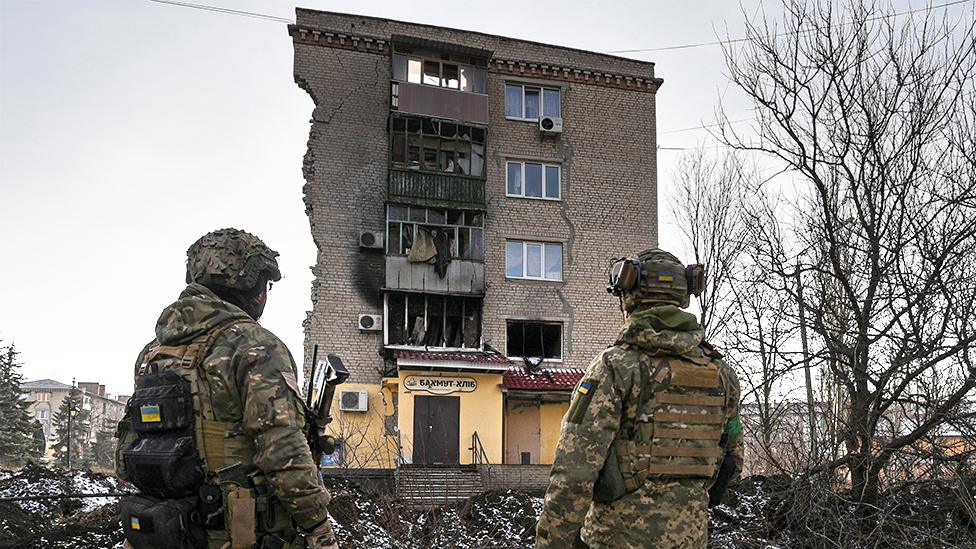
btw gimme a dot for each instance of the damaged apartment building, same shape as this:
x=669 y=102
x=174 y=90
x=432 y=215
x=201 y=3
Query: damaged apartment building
x=465 y=193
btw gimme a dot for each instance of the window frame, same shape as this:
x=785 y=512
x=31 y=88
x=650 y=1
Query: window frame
x=426 y=319
x=440 y=72
x=419 y=139
x=545 y=177
x=542 y=109
x=542 y=258
x=455 y=243
x=562 y=338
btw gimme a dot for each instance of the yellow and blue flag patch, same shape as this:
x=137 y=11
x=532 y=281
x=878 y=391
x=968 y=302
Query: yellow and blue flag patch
x=665 y=276
x=584 y=387
x=150 y=414
x=135 y=523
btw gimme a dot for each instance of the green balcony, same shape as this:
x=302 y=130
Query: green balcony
x=435 y=189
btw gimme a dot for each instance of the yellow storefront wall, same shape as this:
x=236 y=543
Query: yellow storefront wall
x=550 y=421
x=480 y=411
x=365 y=440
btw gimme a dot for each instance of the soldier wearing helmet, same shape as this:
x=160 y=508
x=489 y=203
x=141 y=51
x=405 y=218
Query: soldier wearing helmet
x=214 y=434
x=652 y=436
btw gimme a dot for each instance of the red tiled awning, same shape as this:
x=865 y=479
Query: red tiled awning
x=452 y=361
x=482 y=358
x=550 y=379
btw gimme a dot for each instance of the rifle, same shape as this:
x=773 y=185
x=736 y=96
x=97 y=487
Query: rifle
x=325 y=375
x=716 y=493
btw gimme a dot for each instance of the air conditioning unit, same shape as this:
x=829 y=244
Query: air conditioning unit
x=371 y=239
x=353 y=401
x=551 y=124
x=371 y=323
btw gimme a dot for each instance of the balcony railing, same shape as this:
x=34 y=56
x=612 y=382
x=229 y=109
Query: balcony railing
x=434 y=189
x=463 y=277
x=438 y=102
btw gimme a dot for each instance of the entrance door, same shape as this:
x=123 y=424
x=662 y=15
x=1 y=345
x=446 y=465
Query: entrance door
x=436 y=431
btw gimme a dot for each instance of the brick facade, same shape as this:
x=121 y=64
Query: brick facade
x=607 y=153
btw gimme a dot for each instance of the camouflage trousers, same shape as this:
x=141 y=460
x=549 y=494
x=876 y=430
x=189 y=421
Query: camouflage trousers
x=660 y=515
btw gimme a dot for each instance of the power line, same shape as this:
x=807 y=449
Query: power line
x=706 y=126
x=218 y=9
x=737 y=40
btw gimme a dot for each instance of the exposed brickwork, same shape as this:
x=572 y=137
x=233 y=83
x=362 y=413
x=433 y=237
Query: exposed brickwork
x=609 y=186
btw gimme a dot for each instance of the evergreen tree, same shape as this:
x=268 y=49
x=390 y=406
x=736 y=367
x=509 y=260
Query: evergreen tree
x=103 y=451
x=80 y=425
x=16 y=424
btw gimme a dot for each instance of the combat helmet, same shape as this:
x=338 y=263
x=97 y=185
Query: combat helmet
x=231 y=258
x=654 y=277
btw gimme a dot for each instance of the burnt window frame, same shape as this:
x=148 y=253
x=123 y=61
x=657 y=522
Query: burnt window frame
x=415 y=133
x=471 y=222
x=510 y=323
x=468 y=304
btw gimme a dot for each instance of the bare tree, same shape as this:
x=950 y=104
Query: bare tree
x=873 y=116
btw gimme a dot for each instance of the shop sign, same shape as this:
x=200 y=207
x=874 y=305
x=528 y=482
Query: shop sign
x=440 y=385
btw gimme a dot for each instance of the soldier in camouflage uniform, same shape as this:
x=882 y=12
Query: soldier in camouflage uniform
x=250 y=479
x=651 y=424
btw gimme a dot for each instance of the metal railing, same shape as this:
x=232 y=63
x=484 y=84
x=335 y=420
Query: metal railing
x=478 y=454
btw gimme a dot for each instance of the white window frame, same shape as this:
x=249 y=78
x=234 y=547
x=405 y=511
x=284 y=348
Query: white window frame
x=541 y=101
x=440 y=78
x=545 y=181
x=562 y=339
x=525 y=244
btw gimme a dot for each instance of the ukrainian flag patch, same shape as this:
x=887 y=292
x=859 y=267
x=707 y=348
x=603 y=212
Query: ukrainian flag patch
x=150 y=414
x=665 y=276
x=584 y=388
x=135 y=523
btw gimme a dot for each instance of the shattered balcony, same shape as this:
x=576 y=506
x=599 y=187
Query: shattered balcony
x=418 y=188
x=463 y=277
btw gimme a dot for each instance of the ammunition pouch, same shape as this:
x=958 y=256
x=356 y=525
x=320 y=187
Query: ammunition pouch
x=166 y=467
x=609 y=485
x=151 y=523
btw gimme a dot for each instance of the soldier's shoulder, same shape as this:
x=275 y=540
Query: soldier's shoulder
x=622 y=355
x=252 y=338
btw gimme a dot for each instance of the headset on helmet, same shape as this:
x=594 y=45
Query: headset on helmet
x=654 y=276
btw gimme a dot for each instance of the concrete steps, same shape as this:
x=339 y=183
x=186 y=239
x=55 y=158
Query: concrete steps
x=429 y=486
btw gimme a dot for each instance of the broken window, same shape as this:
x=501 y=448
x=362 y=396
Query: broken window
x=433 y=320
x=437 y=146
x=435 y=72
x=464 y=229
x=535 y=339
x=532 y=180
x=529 y=102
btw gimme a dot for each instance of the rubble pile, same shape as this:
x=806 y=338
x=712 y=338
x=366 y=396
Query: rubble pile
x=58 y=523
x=760 y=512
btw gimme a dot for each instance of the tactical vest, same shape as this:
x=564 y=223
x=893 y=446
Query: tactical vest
x=196 y=473
x=676 y=430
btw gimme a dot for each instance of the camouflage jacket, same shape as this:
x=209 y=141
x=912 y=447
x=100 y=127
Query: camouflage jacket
x=663 y=513
x=254 y=392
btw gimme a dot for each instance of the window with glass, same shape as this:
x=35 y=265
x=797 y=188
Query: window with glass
x=428 y=320
x=532 y=180
x=529 y=102
x=464 y=228
x=43 y=415
x=440 y=73
x=533 y=260
x=534 y=340
x=437 y=146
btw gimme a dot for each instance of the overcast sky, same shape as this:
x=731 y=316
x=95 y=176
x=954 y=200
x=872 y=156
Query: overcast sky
x=129 y=128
